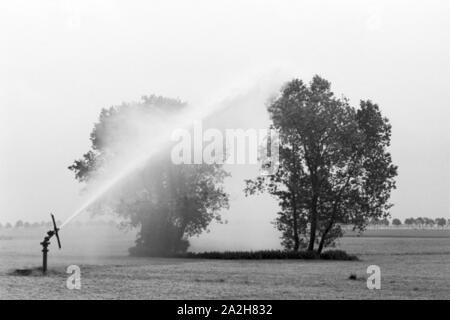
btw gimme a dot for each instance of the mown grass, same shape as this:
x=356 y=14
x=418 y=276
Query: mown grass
x=412 y=268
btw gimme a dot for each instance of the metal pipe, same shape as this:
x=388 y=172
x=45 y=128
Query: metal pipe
x=45 y=245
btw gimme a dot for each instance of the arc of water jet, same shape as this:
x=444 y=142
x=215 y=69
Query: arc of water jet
x=105 y=188
x=184 y=121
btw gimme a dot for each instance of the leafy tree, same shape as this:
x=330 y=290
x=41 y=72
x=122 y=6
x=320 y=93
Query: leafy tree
x=27 y=224
x=441 y=222
x=420 y=222
x=396 y=222
x=19 y=224
x=374 y=222
x=410 y=221
x=429 y=222
x=8 y=225
x=334 y=166
x=168 y=202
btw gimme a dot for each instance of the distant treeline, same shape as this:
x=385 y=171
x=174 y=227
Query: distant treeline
x=48 y=224
x=420 y=222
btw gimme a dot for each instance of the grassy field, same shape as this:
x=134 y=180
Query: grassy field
x=414 y=265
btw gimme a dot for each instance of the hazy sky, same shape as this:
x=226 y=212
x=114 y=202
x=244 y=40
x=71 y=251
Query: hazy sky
x=62 y=61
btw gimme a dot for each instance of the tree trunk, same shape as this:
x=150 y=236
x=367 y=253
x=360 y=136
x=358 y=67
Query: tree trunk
x=332 y=219
x=179 y=237
x=324 y=236
x=295 y=231
x=313 y=227
x=295 y=224
x=293 y=189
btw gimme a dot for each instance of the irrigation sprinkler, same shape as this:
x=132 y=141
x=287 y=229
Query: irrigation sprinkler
x=46 y=243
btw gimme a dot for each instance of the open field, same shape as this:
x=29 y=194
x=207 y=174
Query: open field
x=412 y=267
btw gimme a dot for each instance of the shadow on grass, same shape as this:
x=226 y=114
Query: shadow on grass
x=34 y=272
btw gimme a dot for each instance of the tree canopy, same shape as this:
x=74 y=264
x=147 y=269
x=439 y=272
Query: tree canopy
x=334 y=164
x=168 y=202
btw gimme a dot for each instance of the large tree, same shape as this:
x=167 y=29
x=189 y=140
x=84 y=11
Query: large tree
x=168 y=202
x=334 y=165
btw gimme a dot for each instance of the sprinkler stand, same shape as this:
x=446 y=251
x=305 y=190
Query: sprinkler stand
x=46 y=243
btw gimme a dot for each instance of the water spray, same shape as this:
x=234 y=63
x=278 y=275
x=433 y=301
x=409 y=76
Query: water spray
x=46 y=243
x=183 y=120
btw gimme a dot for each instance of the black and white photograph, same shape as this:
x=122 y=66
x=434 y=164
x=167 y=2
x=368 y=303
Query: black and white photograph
x=236 y=153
